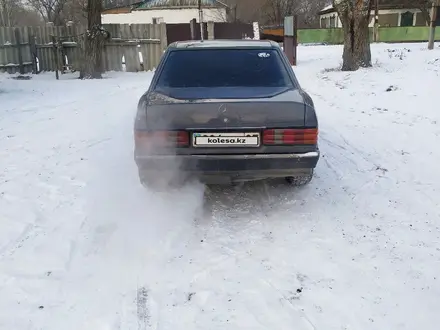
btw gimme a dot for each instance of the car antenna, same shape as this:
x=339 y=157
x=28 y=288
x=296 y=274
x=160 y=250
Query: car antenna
x=201 y=20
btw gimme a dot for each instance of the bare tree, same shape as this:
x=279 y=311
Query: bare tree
x=15 y=13
x=307 y=13
x=5 y=11
x=94 y=39
x=75 y=11
x=424 y=6
x=50 y=10
x=355 y=16
x=246 y=11
x=276 y=10
x=220 y=14
x=272 y=12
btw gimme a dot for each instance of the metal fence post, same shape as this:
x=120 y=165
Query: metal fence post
x=290 y=38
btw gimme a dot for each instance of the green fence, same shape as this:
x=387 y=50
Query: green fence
x=386 y=34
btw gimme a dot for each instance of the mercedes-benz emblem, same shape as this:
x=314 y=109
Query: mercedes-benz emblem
x=225 y=120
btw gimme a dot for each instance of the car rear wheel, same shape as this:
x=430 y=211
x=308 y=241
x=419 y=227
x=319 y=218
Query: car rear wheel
x=300 y=180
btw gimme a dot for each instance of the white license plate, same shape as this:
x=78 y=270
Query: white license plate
x=250 y=139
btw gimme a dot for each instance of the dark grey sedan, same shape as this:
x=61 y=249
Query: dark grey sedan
x=225 y=111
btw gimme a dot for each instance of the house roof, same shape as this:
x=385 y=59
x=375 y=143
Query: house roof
x=383 y=4
x=326 y=8
x=117 y=4
x=150 y=4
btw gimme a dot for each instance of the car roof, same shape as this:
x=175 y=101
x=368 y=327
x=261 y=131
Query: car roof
x=239 y=43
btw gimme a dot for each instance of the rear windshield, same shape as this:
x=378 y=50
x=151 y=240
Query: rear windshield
x=224 y=68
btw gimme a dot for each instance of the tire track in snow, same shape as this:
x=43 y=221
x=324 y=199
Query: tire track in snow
x=219 y=258
x=31 y=230
x=18 y=241
x=143 y=314
x=243 y=201
x=290 y=302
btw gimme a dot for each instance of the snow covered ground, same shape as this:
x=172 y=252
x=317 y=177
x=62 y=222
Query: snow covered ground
x=84 y=246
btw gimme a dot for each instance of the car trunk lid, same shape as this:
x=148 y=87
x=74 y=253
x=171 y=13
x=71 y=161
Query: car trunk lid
x=226 y=118
x=166 y=113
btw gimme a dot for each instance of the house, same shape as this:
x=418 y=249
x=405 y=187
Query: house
x=166 y=11
x=390 y=15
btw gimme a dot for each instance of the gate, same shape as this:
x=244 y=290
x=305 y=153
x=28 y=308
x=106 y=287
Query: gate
x=233 y=31
x=178 y=32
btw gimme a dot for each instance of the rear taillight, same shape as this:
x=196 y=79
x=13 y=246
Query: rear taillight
x=161 y=139
x=289 y=136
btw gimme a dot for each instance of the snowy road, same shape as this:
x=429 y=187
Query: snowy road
x=84 y=246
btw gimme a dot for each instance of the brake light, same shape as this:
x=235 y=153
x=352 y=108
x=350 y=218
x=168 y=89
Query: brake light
x=161 y=139
x=289 y=136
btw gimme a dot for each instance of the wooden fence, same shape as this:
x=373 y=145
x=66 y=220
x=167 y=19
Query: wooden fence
x=15 y=50
x=141 y=46
x=134 y=47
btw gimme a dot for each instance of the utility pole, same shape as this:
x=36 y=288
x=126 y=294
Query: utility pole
x=376 y=21
x=201 y=19
x=435 y=4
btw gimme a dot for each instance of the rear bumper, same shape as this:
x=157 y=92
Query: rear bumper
x=220 y=168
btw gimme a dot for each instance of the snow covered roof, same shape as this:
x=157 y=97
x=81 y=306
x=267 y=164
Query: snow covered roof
x=148 y=4
x=327 y=7
x=384 y=4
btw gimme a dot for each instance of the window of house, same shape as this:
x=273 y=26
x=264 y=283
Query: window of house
x=407 y=19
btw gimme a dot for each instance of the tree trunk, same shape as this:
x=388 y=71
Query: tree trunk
x=5 y=14
x=425 y=14
x=95 y=37
x=355 y=20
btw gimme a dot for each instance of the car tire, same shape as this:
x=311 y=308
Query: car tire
x=300 y=180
